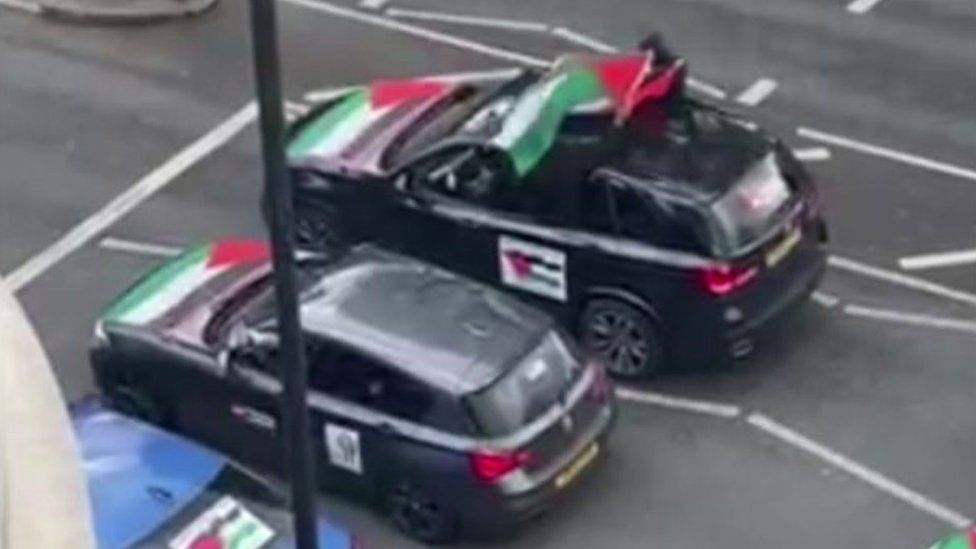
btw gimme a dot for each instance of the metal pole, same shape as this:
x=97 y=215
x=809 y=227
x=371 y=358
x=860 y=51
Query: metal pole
x=294 y=371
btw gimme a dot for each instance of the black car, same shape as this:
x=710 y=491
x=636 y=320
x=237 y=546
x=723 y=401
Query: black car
x=662 y=230
x=455 y=407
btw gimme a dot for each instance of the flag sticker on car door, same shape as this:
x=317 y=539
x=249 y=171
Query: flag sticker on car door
x=533 y=268
x=343 y=447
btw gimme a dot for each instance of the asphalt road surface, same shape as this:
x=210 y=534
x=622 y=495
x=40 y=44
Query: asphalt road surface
x=855 y=426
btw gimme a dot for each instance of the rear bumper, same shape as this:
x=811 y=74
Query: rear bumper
x=500 y=515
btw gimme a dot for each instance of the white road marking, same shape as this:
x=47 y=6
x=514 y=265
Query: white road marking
x=715 y=409
x=140 y=248
x=812 y=154
x=581 y=39
x=900 y=279
x=856 y=470
x=705 y=88
x=420 y=32
x=29 y=7
x=299 y=109
x=861 y=6
x=826 y=300
x=932 y=261
x=472 y=20
x=373 y=4
x=756 y=93
x=911 y=319
x=132 y=197
x=906 y=158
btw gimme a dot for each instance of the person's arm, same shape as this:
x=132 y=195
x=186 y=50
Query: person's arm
x=43 y=500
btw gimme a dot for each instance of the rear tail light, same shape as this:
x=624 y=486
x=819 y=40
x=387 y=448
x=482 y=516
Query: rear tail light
x=491 y=466
x=722 y=280
x=601 y=387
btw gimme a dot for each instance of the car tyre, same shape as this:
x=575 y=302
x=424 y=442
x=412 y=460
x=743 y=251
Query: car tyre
x=627 y=339
x=415 y=513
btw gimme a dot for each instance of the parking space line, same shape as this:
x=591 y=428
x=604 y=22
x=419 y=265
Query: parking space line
x=855 y=469
x=420 y=32
x=823 y=299
x=900 y=279
x=140 y=248
x=757 y=92
x=890 y=154
x=943 y=259
x=373 y=4
x=132 y=197
x=911 y=319
x=472 y=20
x=29 y=7
x=862 y=6
x=714 y=409
x=581 y=39
x=812 y=154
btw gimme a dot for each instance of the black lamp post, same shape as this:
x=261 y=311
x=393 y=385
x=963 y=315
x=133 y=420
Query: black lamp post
x=294 y=371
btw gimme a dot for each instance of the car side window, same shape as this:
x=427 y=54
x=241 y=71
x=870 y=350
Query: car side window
x=658 y=222
x=460 y=174
x=633 y=214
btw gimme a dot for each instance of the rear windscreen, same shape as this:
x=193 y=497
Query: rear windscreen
x=753 y=206
x=528 y=390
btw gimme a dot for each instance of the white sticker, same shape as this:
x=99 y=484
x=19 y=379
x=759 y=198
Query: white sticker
x=225 y=524
x=343 y=447
x=533 y=268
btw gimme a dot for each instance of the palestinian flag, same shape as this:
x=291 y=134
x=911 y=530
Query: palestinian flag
x=341 y=124
x=174 y=281
x=965 y=540
x=577 y=83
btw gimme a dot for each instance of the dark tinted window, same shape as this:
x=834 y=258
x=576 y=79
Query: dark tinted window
x=461 y=173
x=659 y=221
x=529 y=389
x=355 y=378
x=596 y=214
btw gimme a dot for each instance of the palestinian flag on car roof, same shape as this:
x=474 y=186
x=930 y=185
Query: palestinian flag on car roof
x=579 y=82
x=175 y=280
x=965 y=540
x=342 y=123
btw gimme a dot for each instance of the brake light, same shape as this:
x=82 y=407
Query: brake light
x=601 y=387
x=722 y=280
x=491 y=466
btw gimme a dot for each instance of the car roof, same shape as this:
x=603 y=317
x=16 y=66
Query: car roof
x=434 y=326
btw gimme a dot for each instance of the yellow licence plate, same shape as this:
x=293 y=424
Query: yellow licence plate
x=577 y=466
x=783 y=249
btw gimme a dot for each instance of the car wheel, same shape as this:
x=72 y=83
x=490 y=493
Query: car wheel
x=420 y=516
x=625 y=337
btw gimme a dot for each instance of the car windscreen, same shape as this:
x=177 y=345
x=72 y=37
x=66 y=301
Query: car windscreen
x=530 y=389
x=234 y=507
x=753 y=206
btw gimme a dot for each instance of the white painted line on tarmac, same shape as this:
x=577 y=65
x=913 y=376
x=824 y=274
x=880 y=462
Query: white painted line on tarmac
x=373 y=4
x=757 y=92
x=581 y=39
x=420 y=32
x=297 y=108
x=911 y=319
x=132 y=197
x=862 y=6
x=472 y=20
x=812 y=154
x=715 y=409
x=900 y=279
x=933 y=261
x=140 y=248
x=826 y=300
x=29 y=7
x=705 y=88
x=856 y=470
x=890 y=154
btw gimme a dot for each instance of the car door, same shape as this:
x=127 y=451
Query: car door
x=238 y=413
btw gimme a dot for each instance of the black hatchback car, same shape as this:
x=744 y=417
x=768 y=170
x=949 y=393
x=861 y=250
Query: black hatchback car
x=662 y=230
x=455 y=407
